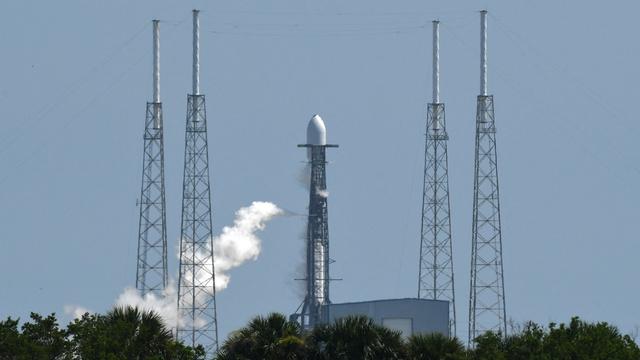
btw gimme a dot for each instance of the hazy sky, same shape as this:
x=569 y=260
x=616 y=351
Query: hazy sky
x=75 y=77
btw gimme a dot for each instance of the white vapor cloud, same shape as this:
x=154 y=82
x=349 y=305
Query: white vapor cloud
x=75 y=311
x=165 y=305
x=304 y=176
x=236 y=245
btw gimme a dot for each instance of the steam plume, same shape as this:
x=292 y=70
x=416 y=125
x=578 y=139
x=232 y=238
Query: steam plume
x=236 y=245
x=165 y=305
x=75 y=311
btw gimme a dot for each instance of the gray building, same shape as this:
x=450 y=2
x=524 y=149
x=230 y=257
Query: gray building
x=409 y=316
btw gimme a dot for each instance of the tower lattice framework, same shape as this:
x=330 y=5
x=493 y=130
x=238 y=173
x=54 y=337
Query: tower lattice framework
x=197 y=313
x=151 y=274
x=196 y=289
x=314 y=309
x=487 y=298
x=487 y=301
x=317 y=271
x=436 y=280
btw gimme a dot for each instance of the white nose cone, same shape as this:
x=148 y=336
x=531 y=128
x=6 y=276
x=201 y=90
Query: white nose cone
x=316 y=131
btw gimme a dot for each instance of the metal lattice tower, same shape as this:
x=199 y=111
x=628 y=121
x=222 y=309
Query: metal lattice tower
x=151 y=274
x=317 y=262
x=435 y=280
x=487 y=299
x=197 y=324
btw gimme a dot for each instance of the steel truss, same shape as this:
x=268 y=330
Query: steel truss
x=197 y=324
x=314 y=309
x=151 y=274
x=487 y=300
x=436 y=280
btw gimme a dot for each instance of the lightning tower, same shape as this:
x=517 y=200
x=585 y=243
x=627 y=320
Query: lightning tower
x=435 y=279
x=151 y=274
x=198 y=323
x=486 y=301
x=317 y=262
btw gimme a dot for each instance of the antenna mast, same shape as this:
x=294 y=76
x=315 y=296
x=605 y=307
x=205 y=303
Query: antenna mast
x=483 y=53
x=487 y=299
x=196 y=52
x=436 y=62
x=435 y=278
x=151 y=274
x=196 y=283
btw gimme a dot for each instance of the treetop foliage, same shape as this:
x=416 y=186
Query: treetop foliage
x=121 y=334
x=131 y=334
x=360 y=338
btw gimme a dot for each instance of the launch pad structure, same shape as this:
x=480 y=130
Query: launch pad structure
x=434 y=310
x=409 y=316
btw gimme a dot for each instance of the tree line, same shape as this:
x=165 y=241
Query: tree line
x=359 y=338
x=131 y=334
x=122 y=333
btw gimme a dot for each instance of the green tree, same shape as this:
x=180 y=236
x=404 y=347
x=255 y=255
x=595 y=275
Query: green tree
x=435 y=346
x=488 y=346
x=137 y=334
x=269 y=338
x=527 y=344
x=585 y=341
x=355 y=338
x=578 y=340
x=10 y=342
x=88 y=337
x=126 y=333
x=42 y=338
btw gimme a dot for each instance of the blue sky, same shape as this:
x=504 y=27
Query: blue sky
x=76 y=75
